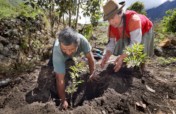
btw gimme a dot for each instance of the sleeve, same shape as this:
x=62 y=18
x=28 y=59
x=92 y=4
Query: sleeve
x=86 y=47
x=111 y=45
x=58 y=61
x=136 y=36
x=135 y=30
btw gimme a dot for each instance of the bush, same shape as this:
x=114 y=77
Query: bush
x=169 y=21
x=87 y=31
x=138 y=7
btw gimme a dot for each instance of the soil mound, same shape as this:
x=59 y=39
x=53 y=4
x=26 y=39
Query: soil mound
x=124 y=92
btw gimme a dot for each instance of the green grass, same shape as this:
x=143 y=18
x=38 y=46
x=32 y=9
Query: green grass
x=13 y=8
x=6 y=9
x=166 y=61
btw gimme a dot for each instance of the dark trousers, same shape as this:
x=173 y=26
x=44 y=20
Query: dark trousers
x=50 y=62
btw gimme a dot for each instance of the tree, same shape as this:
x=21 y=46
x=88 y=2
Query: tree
x=138 y=7
x=169 y=21
x=92 y=9
x=77 y=13
x=70 y=8
x=49 y=9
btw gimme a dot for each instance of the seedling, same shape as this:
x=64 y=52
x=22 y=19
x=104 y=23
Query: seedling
x=136 y=56
x=75 y=79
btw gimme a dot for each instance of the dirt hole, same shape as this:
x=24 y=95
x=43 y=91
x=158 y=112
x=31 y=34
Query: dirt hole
x=46 y=88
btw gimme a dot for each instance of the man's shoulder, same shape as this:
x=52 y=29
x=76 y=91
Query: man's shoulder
x=84 y=45
x=81 y=36
x=56 y=49
x=82 y=39
x=56 y=43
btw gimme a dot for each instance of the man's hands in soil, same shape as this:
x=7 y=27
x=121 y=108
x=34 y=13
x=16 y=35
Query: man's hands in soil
x=105 y=58
x=118 y=62
x=103 y=62
x=93 y=77
x=64 y=104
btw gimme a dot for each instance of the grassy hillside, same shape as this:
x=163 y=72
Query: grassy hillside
x=14 y=2
x=6 y=9
x=13 y=8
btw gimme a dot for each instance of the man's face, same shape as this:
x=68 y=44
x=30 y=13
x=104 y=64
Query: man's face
x=115 y=20
x=68 y=50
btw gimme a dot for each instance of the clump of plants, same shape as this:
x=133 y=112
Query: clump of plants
x=166 y=61
x=87 y=31
x=75 y=78
x=7 y=10
x=136 y=56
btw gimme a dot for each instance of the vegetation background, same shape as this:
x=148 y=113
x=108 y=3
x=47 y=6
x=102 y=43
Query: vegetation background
x=28 y=29
x=42 y=19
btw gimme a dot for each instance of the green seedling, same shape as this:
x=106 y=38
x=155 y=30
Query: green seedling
x=135 y=56
x=75 y=79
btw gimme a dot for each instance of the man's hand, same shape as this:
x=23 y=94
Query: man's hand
x=105 y=58
x=93 y=77
x=103 y=62
x=61 y=89
x=118 y=62
x=64 y=104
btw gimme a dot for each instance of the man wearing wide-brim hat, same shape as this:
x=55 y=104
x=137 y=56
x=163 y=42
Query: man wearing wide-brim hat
x=125 y=29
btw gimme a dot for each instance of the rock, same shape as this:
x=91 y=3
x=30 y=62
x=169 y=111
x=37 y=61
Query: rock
x=1 y=57
x=39 y=33
x=173 y=41
x=4 y=41
x=5 y=82
x=5 y=52
x=15 y=32
x=14 y=56
x=93 y=37
x=1 y=47
x=160 y=112
x=158 y=51
x=17 y=47
x=165 y=43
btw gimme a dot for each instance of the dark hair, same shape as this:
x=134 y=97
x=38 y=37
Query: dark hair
x=68 y=36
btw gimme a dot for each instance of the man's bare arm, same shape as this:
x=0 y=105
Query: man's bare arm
x=91 y=62
x=60 y=85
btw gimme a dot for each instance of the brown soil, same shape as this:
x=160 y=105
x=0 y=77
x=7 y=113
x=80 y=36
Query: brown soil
x=125 y=92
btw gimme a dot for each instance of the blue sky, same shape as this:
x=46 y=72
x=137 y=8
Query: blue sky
x=147 y=3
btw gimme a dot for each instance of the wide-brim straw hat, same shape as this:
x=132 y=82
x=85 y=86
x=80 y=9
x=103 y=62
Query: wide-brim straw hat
x=111 y=8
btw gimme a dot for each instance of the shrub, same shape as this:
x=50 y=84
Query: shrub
x=6 y=9
x=169 y=21
x=135 y=55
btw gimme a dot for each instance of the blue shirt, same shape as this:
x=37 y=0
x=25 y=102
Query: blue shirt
x=59 y=59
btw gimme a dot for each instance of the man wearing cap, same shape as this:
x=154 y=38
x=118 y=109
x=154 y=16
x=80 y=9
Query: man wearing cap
x=125 y=29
